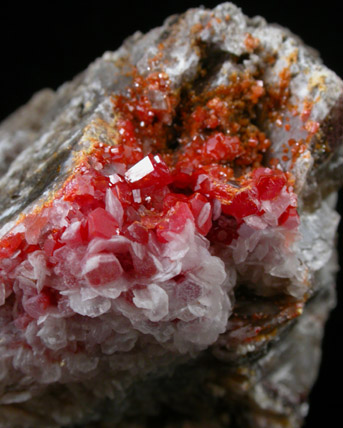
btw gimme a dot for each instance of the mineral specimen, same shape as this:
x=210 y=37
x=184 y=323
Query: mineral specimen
x=167 y=232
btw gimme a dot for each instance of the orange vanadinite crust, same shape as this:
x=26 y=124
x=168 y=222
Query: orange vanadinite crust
x=214 y=130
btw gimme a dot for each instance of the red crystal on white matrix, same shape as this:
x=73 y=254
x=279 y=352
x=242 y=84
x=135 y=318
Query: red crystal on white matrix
x=148 y=235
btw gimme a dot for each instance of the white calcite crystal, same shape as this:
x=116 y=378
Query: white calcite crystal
x=167 y=232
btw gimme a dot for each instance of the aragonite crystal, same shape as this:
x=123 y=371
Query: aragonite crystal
x=167 y=232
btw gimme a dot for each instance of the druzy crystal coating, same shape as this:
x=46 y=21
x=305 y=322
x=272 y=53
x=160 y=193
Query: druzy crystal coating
x=168 y=224
x=125 y=234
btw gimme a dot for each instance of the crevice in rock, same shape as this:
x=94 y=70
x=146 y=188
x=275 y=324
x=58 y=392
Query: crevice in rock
x=211 y=60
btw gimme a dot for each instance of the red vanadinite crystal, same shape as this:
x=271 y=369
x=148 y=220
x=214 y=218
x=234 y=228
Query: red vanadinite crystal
x=220 y=147
x=242 y=205
x=150 y=171
x=174 y=221
x=196 y=159
x=269 y=182
x=101 y=224
x=102 y=269
x=202 y=212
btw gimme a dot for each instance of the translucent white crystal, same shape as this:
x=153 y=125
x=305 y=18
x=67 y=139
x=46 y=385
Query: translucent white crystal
x=53 y=333
x=114 y=207
x=91 y=307
x=140 y=170
x=153 y=300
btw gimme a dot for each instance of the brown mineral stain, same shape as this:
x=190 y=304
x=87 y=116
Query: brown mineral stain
x=196 y=28
x=293 y=57
x=251 y=43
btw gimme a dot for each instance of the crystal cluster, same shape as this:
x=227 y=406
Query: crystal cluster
x=123 y=238
x=180 y=204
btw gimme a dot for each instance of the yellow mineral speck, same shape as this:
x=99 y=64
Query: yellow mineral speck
x=317 y=80
x=299 y=311
x=87 y=106
x=293 y=57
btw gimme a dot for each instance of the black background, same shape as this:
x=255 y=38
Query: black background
x=45 y=46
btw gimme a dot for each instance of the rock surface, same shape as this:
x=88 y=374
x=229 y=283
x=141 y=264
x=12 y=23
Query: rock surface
x=259 y=371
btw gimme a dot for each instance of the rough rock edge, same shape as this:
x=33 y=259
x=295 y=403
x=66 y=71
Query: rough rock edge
x=84 y=100
x=66 y=96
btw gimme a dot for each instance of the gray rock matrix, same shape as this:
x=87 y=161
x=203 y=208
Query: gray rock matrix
x=233 y=383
